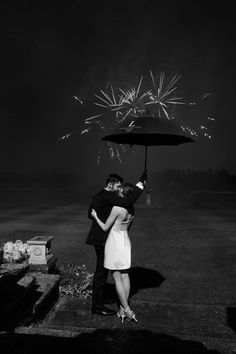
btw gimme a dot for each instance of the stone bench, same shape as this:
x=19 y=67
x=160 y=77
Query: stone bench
x=27 y=290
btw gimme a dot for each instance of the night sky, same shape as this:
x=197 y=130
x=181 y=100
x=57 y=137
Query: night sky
x=52 y=51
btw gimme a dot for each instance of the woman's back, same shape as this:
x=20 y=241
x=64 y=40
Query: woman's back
x=123 y=219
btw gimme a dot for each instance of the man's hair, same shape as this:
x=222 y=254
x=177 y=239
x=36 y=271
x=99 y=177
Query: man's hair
x=127 y=189
x=114 y=178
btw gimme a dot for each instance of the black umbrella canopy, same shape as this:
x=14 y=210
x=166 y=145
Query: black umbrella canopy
x=148 y=131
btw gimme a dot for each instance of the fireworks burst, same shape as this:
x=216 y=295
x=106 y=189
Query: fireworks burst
x=194 y=119
x=160 y=100
x=116 y=107
x=133 y=102
x=162 y=97
x=122 y=104
x=78 y=99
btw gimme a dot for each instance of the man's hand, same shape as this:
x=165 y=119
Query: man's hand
x=144 y=177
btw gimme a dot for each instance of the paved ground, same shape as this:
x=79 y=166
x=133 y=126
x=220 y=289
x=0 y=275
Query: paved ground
x=183 y=275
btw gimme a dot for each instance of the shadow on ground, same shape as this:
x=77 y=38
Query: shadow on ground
x=140 y=278
x=102 y=341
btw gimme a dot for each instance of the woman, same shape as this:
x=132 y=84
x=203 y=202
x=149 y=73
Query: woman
x=118 y=250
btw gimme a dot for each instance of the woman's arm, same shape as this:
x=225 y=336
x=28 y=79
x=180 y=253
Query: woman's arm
x=114 y=199
x=110 y=220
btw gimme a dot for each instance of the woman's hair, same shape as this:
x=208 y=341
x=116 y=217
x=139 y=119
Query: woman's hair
x=127 y=189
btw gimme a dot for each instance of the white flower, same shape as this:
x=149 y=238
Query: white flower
x=16 y=256
x=18 y=244
x=7 y=257
x=21 y=249
x=8 y=247
x=15 y=251
x=26 y=247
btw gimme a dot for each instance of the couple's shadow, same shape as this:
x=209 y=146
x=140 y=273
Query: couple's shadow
x=140 y=278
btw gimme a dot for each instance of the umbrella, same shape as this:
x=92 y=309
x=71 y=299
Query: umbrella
x=148 y=131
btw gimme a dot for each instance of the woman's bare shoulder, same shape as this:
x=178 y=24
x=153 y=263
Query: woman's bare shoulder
x=119 y=209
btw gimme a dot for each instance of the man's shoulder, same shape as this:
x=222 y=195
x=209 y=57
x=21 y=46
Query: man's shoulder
x=102 y=195
x=102 y=192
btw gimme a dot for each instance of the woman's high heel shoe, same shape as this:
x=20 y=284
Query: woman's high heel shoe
x=130 y=314
x=121 y=314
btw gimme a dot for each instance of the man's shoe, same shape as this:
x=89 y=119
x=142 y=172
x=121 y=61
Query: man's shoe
x=104 y=311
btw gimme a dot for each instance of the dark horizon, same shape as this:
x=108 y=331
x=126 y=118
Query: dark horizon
x=165 y=181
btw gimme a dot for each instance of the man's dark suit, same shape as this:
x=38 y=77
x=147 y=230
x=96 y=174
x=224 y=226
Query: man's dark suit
x=103 y=203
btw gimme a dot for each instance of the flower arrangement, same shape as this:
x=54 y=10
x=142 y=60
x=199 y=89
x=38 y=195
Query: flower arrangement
x=15 y=252
x=75 y=280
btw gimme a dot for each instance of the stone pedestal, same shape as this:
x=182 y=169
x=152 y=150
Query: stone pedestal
x=41 y=257
x=44 y=268
x=40 y=249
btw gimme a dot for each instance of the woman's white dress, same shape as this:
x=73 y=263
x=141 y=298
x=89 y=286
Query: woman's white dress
x=118 y=246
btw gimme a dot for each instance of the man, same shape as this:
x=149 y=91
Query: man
x=103 y=202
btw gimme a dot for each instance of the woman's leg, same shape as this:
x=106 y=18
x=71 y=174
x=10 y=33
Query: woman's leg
x=126 y=283
x=120 y=289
